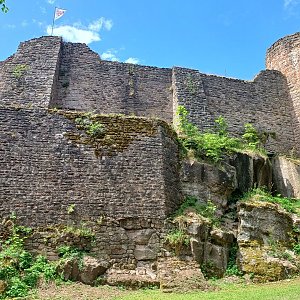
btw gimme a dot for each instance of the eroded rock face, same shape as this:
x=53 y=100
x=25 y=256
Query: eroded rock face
x=264 y=222
x=240 y=173
x=208 y=182
x=91 y=269
x=286 y=176
x=251 y=171
x=85 y=271
x=181 y=276
x=265 y=235
x=147 y=243
x=209 y=246
x=266 y=263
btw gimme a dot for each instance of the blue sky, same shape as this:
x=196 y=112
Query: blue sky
x=223 y=37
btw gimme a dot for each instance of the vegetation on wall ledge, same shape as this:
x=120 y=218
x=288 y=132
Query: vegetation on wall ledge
x=217 y=143
x=290 y=205
x=205 y=210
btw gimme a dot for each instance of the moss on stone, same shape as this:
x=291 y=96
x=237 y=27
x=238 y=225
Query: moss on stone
x=119 y=131
x=263 y=266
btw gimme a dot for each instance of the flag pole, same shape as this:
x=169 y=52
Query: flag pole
x=53 y=21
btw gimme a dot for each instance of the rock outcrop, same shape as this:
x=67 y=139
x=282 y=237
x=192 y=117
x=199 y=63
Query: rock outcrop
x=85 y=270
x=286 y=176
x=265 y=237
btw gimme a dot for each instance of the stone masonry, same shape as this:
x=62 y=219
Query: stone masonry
x=47 y=72
x=125 y=182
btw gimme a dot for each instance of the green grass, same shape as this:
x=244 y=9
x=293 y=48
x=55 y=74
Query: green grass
x=289 y=204
x=284 y=290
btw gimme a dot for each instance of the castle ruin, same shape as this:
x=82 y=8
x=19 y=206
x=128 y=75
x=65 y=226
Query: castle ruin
x=130 y=179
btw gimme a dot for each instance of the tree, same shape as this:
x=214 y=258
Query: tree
x=3 y=6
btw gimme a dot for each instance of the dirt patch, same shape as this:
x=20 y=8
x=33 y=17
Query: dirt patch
x=76 y=291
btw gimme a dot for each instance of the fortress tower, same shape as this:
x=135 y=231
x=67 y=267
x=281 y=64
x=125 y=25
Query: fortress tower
x=284 y=56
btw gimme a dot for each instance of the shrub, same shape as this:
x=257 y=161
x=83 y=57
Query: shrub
x=206 y=210
x=18 y=268
x=214 y=145
x=177 y=238
x=250 y=136
x=210 y=145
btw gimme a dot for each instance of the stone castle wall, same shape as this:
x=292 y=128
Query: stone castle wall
x=126 y=181
x=90 y=84
x=27 y=78
x=284 y=57
x=71 y=76
x=262 y=102
x=47 y=164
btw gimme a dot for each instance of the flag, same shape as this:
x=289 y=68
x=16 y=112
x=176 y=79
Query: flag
x=59 y=12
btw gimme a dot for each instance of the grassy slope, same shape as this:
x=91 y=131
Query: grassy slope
x=283 y=290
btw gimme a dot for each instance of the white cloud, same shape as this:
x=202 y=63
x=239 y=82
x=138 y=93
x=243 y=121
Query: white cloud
x=51 y=1
x=78 y=33
x=74 y=34
x=110 y=55
x=97 y=25
x=289 y=3
x=132 y=60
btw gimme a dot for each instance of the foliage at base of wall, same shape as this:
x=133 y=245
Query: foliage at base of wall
x=215 y=144
x=20 y=271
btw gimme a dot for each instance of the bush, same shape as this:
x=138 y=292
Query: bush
x=206 y=210
x=18 y=268
x=250 y=136
x=296 y=248
x=177 y=238
x=214 y=145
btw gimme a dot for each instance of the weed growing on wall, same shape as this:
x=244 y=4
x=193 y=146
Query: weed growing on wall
x=214 y=145
x=71 y=209
x=177 y=239
x=19 y=70
x=211 y=145
x=296 y=248
x=92 y=128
